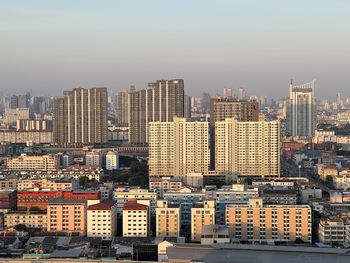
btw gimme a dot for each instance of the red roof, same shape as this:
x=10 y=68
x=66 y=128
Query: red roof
x=104 y=205
x=134 y=205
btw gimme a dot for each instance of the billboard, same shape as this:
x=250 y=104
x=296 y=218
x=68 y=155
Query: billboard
x=339 y=197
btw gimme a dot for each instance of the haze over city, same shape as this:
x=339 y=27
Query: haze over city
x=48 y=47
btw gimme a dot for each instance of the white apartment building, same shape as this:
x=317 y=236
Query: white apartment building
x=93 y=159
x=135 y=219
x=165 y=184
x=102 y=220
x=178 y=147
x=112 y=161
x=247 y=148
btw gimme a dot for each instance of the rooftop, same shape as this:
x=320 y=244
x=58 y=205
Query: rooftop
x=133 y=205
x=104 y=205
x=61 y=200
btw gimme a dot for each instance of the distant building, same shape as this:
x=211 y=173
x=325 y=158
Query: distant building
x=161 y=102
x=93 y=159
x=301 y=110
x=32 y=163
x=47 y=184
x=135 y=219
x=112 y=160
x=80 y=117
x=13 y=115
x=8 y=199
x=164 y=184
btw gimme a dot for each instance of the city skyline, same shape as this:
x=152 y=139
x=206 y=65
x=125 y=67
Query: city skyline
x=51 y=47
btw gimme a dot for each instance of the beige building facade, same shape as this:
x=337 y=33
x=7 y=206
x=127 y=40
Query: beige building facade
x=248 y=148
x=258 y=222
x=168 y=219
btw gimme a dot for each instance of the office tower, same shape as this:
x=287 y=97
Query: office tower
x=201 y=214
x=161 y=102
x=178 y=147
x=80 y=117
x=187 y=107
x=122 y=100
x=258 y=222
x=222 y=108
x=301 y=110
x=228 y=92
x=168 y=219
x=247 y=148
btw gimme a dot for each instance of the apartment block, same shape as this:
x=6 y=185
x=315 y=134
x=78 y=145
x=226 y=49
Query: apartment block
x=165 y=184
x=162 y=101
x=102 y=220
x=247 y=148
x=48 y=184
x=80 y=117
x=32 y=163
x=201 y=214
x=178 y=147
x=67 y=215
x=123 y=195
x=12 y=115
x=135 y=219
x=332 y=230
x=168 y=219
x=31 y=219
x=258 y=222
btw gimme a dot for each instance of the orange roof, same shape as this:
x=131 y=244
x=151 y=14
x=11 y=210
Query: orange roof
x=104 y=205
x=134 y=205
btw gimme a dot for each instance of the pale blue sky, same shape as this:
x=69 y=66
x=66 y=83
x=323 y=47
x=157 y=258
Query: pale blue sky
x=49 y=46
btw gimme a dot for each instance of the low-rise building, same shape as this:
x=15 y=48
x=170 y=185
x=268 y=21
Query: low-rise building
x=67 y=215
x=32 y=163
x=258 y=222
x=332 y=231
x=201 y=214
x=342 y=180
x=168 y=219
x=215 y=234
x=48 y=184
x=123 y=195
x=135 y=219
x=165 y=184
x=32 y=219
x=102 y=220
x=8 y=199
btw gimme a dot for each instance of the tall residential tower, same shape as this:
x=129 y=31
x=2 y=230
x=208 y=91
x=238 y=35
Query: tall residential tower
x=301 y=110
x=80 y=117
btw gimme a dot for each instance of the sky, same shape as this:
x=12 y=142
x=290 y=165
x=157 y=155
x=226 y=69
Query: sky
x=50 y=46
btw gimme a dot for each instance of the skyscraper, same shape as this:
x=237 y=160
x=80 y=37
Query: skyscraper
x=123 y=106
x=248 y=148
x=178 y=147
x=80 y=117
x=301 y=110
x=224 y=107
x=163 y=101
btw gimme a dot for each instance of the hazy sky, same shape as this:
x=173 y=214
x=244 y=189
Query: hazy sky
x=49 y=46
